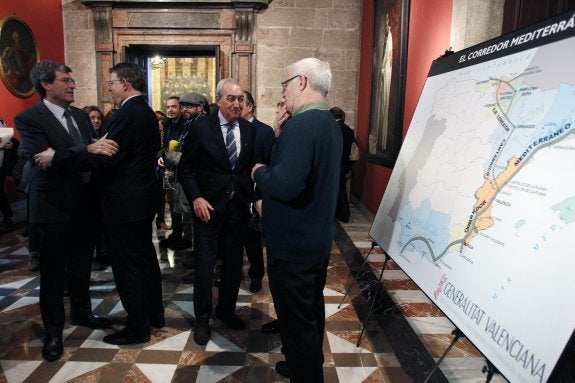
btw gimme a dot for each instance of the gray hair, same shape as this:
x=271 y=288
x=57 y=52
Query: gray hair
x=222 y=83
x=317 y=72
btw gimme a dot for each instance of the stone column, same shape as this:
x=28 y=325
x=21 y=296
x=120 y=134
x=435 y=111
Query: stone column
x=104 y=52
x=243 y=60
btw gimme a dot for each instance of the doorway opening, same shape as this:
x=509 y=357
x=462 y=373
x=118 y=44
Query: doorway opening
x=176 y=70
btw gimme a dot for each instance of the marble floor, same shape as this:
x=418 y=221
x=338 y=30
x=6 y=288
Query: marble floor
x=403 y=338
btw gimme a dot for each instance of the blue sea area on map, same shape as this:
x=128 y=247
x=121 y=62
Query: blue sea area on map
x=424 y=230
x=561 y=112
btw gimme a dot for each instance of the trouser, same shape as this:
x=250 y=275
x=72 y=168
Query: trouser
x=4 y=204
x=297 y=291
x=65 y=260
x=136 y=271
x=227 y=230
x=255 y=254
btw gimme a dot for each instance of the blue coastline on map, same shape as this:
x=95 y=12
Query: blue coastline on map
x=424 y=222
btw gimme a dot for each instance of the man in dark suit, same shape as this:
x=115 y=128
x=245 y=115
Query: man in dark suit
x=215 y=174
x=347 y=135
x=262 y=152
x=61 y=202
x=128 y=194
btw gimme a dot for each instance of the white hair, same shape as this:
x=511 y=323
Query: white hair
x=317 y=72
x=222 y=83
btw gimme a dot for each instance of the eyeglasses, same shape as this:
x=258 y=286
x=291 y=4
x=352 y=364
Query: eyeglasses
x=187 y=106
x=111 y=82
x=68 y=81
x=285 y=83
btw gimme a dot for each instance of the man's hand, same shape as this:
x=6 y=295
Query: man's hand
x=256 y=167
x=44 y=159
x=202 y=209
x=161 y=162
x=282 y=115
x=103 y=146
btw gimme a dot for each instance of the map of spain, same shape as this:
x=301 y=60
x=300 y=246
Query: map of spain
x=491 y=128
x=480 y=208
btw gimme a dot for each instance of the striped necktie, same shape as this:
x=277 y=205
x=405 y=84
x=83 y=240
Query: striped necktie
x=231 y=145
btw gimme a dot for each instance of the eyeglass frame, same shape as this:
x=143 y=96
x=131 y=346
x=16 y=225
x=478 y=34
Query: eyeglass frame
x=68 y=81
x=285 y=83
x=111 y=82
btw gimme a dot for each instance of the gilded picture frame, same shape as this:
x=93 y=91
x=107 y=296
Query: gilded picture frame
x=18 y=54
x=388 y=71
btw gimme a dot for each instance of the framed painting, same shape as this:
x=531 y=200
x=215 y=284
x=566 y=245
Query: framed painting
x=19 y=53
x=388 y=68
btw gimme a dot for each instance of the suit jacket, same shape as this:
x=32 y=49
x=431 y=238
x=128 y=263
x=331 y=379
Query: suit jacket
x=55 y=194
x=127 y=185
x=264 y=141
x=205 y=171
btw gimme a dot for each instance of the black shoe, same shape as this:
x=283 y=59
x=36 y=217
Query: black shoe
x=232 y=321
x=188 y=278
x=202 y=332
x=272 y=327
x=282 y=368
x=91 y=321
x=34 y=264
x=255 y=285
x=52 y=349
x=217 y=282
x=125 y=337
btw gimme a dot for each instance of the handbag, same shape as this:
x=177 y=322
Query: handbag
x=180 y=202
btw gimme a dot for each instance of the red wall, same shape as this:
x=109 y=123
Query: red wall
x=429 y=31
x=44 y=17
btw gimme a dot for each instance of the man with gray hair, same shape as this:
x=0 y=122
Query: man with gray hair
x=300 y=188
x=215 y=174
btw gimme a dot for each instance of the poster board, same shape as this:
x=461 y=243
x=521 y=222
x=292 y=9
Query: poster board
x=480 y=207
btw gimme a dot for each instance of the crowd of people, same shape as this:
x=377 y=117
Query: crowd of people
x=96 y=183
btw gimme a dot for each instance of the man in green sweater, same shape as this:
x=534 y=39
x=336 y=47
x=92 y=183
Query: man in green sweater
x=300 y=188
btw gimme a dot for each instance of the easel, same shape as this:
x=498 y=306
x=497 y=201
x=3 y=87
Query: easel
x=376 y=290
x=457 y=333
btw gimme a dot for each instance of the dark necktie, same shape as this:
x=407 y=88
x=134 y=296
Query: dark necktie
x=74 y=133
x=231 y=145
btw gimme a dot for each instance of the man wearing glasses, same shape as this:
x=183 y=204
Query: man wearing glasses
x=300 y=188
x=128 y=194
x=61 y=202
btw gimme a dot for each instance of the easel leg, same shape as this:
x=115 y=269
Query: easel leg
x=456 y=335
x=375 y=291
x=373 y=244
x=490 y=369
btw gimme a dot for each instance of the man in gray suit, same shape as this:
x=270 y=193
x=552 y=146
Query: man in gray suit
x=61 y=202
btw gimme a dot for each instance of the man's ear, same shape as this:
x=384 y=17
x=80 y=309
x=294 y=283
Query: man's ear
x=46 y=85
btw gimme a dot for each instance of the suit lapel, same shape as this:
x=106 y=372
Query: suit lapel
x=220 y=143
x=244 y=133
x=84 y=126
x=46 y=116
